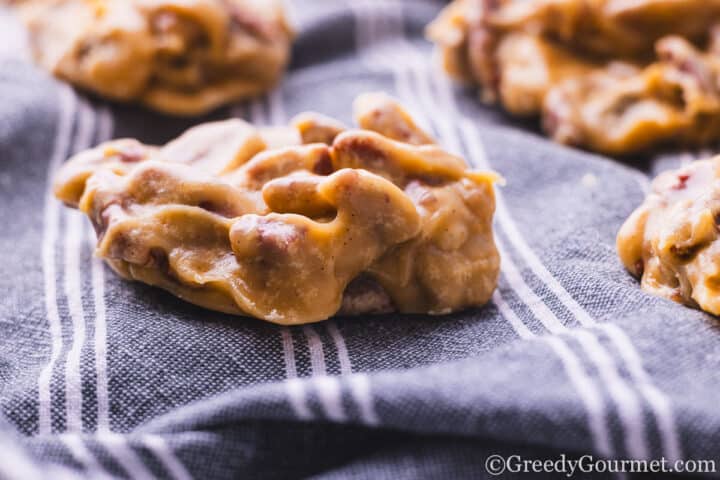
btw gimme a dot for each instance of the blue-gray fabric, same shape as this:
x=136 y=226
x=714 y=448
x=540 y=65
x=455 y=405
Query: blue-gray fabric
x=103 y=378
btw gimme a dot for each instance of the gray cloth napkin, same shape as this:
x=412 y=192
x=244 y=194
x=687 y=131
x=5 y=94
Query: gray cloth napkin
x=103 y=378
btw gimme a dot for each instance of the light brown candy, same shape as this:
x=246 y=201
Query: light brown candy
x=179 y=57
x=217 y=147
x=292 y=234
x=614 y=76
x=297 y=193
x=317 y=128
x=453 y=261
x=608 y=28
x=380 y=113
x=272 y=164
x=671 y=241
x=118 y=156
x=294 y=267
x=675 y=100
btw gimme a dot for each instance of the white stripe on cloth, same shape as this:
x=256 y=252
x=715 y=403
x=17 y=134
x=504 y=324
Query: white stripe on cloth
x=257 y=112
x=341 y=346
x=277 y=108
x=100 y=322
x=73 y=287
x=627 y=400
x=530 y=298
x=119 y=449
x=162 y=451
x=288 y=352
x=84 y=456
x=16 y=465
x=66 y=112
x=588 y=392
x=106 y=125
x=658 y=400
x=73 y=290
x=330 y=395
x=123 y=453
x=362 y=393
x=520 y=328
x=317 y=352
x=105 y=132
x=295 y=389
x=579 y=377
